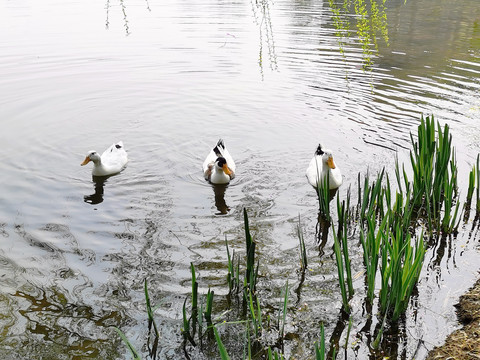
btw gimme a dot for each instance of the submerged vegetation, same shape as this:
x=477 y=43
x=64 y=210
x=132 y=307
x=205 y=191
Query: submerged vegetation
x=393 y=225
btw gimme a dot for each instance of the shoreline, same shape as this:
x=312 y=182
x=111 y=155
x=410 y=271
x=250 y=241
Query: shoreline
x=463 y=343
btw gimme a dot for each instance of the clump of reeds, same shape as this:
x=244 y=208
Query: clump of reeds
x=371 y=243
x=370 y=200
x=435 y=176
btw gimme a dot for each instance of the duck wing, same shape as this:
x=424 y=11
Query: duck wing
x=315 y=170
x=115 y=156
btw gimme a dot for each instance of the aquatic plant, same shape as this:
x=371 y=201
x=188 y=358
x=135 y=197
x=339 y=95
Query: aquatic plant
x=370 y=200
x=434 y=174
x=320 y=351
x=233 y=275
x=343 y=211
x=303 y=250
x=323 y=194
x=478 y=185
x=400 y=269
x=208 y=309
x=283 y=312
x=471 y=185
x=255 y=314
x=133 y=351
x=341 y=272
x=151 y=325
x=371 y=243
x=221 y=347
x=251 y=273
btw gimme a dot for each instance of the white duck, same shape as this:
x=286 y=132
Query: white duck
x=112 y=161
x=321 y=165
x=219 y=167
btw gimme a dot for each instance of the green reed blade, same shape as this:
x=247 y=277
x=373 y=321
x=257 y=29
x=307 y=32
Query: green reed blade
x=194 y=288
x=284 y=310
x=221 y=347
x=250 y=245
x=471 y=185
x=208 y=309
x=348 y=268
x=340 y=269
x=151 y=319
x=132 y=349
x=478 y=184
x=320 y=351
x=186 y=321
x=303 y=250
x=323 y=194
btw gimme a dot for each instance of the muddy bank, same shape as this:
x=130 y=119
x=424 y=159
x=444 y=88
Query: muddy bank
x=464 y=343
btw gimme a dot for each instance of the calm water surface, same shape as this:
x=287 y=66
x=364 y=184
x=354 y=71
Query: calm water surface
x=169 y=78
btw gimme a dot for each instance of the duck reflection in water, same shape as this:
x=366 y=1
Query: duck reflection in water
x=323 y=226
x=220 y=204
x=97 y=196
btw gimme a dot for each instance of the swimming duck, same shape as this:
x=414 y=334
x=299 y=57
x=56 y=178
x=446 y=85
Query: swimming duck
x=321 y=165
x=219 y=167
x=112 y=161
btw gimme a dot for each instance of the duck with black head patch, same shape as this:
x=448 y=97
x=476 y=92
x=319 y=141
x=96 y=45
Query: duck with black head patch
x=320 y=166
x=219 y=167
x=111 y=162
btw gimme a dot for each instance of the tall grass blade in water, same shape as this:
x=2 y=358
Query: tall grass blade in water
x=401 y=266
x=250 y=275
x=208 y=309
x=320 y=351
x=133 y=351
x=255 y=314
x=323 y=193
x=221 y=347
x=303 y=250
x=194 y=288
x=371 y=242
x=471 y=186
x=341 y=274
x=478 y=185
x=343 y=235
x=151 y=324
x=232 y=277
x=284 y=311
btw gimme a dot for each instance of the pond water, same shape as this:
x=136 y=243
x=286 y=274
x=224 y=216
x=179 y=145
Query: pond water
x=169 y=78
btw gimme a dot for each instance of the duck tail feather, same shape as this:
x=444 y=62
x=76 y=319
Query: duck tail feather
x=319 y=150
x=219 y=148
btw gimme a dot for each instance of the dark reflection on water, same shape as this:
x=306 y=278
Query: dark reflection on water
x=57 y=327
x=97 y=196
x=323 y=226
x=220 y=203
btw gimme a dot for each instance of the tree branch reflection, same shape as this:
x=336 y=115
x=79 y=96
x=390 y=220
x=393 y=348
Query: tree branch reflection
x=261 y=13
x=369 y=19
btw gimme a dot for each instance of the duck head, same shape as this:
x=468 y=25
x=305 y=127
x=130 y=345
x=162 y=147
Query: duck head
x=92 y=156
x=221 y=164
